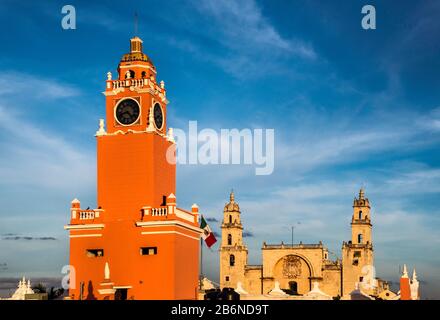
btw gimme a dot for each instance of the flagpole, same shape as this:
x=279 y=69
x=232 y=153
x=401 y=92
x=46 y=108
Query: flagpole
x=201 y=263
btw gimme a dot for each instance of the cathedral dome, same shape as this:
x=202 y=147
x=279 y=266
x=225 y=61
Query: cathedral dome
x=232 y=205
x=136 y=56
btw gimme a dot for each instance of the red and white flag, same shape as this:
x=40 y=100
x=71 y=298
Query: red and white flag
x=207 y=234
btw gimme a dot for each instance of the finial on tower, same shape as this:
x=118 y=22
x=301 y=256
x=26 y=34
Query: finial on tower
x=170 y=136
x=106 y=271
x=361 y=193
x=101 y=131
x=150 y=127
x=405 y=272
x=414 y=277
x=232 y=206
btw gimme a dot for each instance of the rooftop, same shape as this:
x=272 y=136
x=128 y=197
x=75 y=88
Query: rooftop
x=293 y=246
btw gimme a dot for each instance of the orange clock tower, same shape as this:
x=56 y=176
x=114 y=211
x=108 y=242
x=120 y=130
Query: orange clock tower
x=137 y=244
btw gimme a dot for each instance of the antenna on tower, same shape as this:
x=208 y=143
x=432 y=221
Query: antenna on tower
x=135 y=23
x=363 y=185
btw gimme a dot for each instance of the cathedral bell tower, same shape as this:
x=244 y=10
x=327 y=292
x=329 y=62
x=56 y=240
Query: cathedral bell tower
x=358 y=258
x=147 y=246
x=233 y=253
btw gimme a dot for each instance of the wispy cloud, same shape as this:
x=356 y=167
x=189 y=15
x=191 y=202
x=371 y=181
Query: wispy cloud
x=31 y=156
x=250 y=46
x=345 y=140
x=28 y=238
x=13 y=83
x=431 y=121
x=247 y=234
x=243 y=28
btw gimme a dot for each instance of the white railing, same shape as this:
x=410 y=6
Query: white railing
x=87 y=215
x=129 y=83
x=158 y=212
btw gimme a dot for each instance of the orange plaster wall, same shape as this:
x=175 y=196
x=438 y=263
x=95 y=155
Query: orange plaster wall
x=171 y=274
x=187 y=270
x=133 y=172
x=405 y=291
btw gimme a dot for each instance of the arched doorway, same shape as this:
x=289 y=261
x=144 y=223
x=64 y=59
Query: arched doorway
x=293 y=273
x=293 y=287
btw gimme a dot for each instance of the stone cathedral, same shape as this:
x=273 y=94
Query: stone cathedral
x=297 y=268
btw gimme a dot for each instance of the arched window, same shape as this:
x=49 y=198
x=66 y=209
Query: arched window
x=360 y=238
x=231 y=260
x=230 y=219
x=229 y=239
x=360 y=215
x=143 y=74
x=129 y=74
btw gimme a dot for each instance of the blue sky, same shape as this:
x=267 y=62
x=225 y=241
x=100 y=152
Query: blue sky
x=349 y=107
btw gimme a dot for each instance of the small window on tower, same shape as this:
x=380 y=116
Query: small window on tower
x=229 y=239
x=231 y=260
x=148 y=251
x=356 y=254
x=144 y=74
x=360 y=215
x=355 y=262
x=227 y=278
x=230 y=219
x=93 y=253
x=360 y=238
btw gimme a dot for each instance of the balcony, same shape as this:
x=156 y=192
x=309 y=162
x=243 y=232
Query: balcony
x=159 y=212
x=87 y=215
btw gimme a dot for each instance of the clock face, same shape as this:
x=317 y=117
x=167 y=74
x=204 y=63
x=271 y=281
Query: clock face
x=158 y=116
x=127 y=112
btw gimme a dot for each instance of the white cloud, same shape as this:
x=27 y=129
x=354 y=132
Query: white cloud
x=319 y=140
x=33 y=157
x=251 y=45
x=16 y=83
x=431 y=121
x=244 y=28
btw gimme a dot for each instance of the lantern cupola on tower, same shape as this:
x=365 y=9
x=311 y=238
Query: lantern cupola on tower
x=232 y=206
x=136 y=53
x=136 y=64
x=135 y=44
